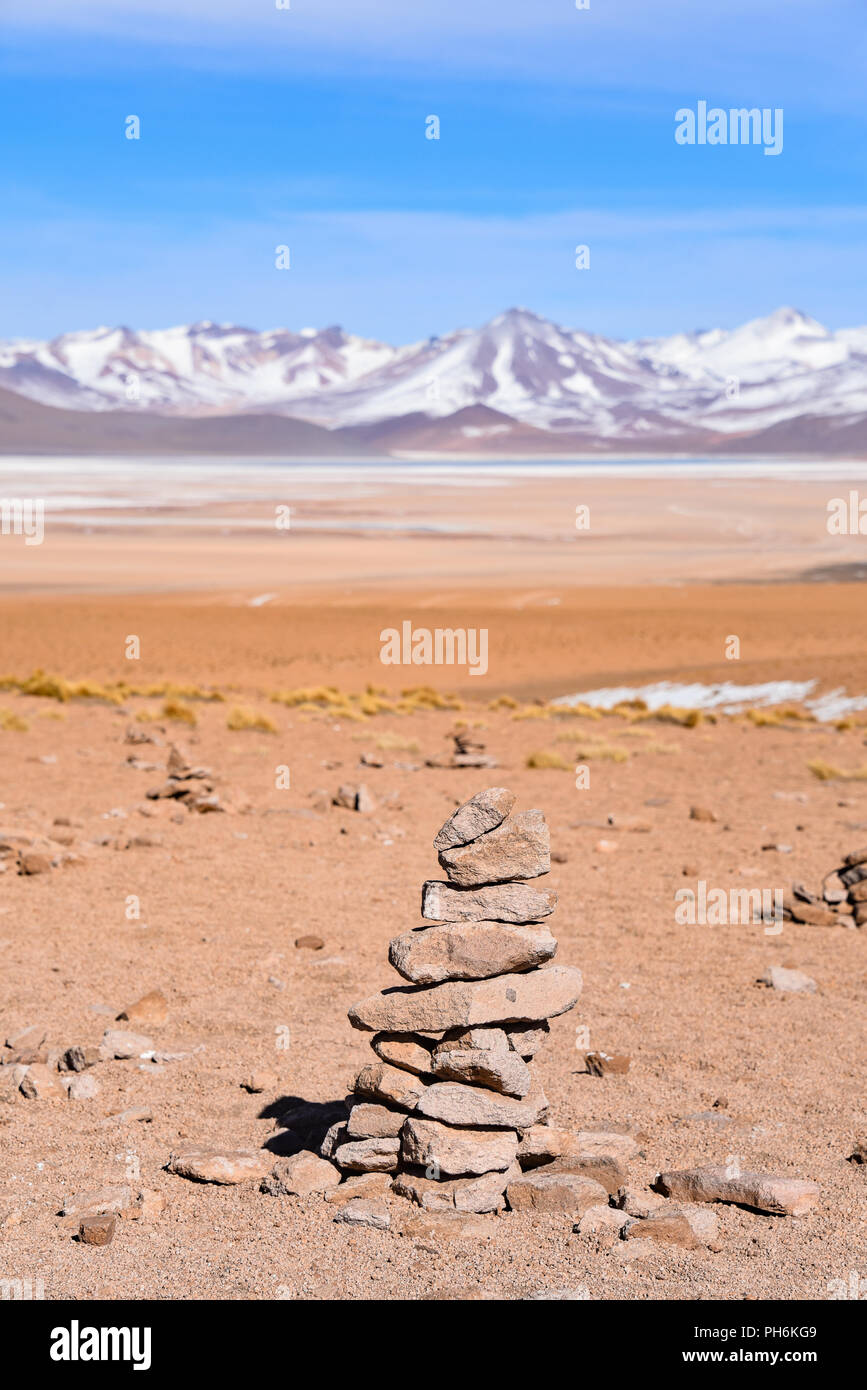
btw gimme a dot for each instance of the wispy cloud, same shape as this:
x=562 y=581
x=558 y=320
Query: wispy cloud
x=404 y=275
x=746 y=47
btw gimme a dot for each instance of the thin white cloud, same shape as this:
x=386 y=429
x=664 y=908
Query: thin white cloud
x=405 y=275
x=774 y=47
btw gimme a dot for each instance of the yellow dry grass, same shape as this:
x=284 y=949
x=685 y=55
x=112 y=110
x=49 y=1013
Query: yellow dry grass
x=827 y=772
x=580 y=753
x=179 y=713
x=545 y=759
x=12 y=723
x=241 y=718
x=50 y=687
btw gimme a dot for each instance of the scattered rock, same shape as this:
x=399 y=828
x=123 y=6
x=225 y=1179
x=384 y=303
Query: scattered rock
x=149 y=1206
x=223 y=1166
x=690 y=1227
x=152 y=1010
x=361 y=1185
x=632 y=824
x=118 y=1044
x=606 y=1169
x=32 y=862
x=637 y=1203
x=607 y=1063
x=78 y=1059
x=580 y=1294
x=788 y=981
x=444 y=1225
x=300 y=1175
x=309 y=943
x=542 y=1144
x=355 y=799
x=83 y=1087
x=602 y=1224
x=134 y=1114
x=542 y=1191
x=764 y=1192
x=261 y=1081
x=702 y=813
x=96 y=1200
x=28 y=1039
x=365 y=1211
x=814 y=914
x=96 y=1230
x=39 y=1082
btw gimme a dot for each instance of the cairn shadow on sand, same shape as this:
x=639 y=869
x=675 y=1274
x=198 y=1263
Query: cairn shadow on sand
x=303 y=1123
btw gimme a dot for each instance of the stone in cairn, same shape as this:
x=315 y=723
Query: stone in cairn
x=843 y=901
x=450 y=1096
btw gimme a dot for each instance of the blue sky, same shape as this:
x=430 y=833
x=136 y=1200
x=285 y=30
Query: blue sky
x=306 y=127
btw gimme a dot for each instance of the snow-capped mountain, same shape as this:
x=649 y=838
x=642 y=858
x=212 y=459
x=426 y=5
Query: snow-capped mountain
x=765 y=374
x=203 y=368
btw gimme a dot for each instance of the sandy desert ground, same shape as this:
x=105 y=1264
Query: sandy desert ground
x=721 y=1066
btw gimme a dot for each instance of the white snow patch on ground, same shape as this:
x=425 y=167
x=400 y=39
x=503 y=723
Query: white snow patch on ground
x=725 y=696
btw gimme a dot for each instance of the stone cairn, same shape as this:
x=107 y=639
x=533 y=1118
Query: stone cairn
x=450 y=1105
x=468 y=751
x=194 y=787
x=843 y=899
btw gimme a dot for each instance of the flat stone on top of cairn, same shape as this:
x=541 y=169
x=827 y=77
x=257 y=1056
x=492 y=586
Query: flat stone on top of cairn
x=451 y=1091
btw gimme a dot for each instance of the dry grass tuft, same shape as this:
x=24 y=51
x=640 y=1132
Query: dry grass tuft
x=12 y=723
x=827 y=772
x=241 y=718
x=581 y=753
x=777 y=718
x=178 y=713
x=547 y=760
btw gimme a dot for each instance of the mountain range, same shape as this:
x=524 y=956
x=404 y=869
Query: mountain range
x=518 y=385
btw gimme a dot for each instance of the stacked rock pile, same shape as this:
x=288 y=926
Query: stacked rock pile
x=853 y=876
x=194 y=787
x=843 y=899
x=468 y=751
x=450 y=1102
